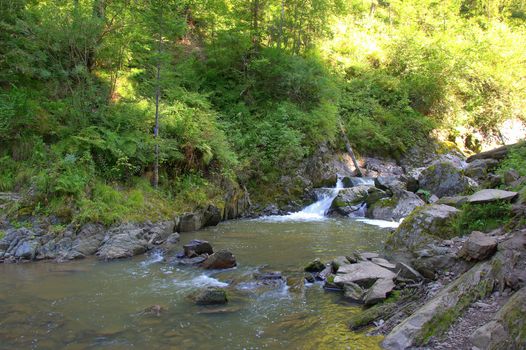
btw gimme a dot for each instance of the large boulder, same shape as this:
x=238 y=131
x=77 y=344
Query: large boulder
x=401 y=204
x=379 y=291
x=26 y=250
x=315 y=266
x=423 y=226
x=364 y=273
x=491 y=195
x=478 y=247
x=480 y=168
x=443 y=178
x=222 y=259
x=211 y=216
x=123 y=245
x=189 y=222
x=349 y=200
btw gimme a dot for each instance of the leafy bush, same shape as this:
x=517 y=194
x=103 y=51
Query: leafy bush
x=482 y=217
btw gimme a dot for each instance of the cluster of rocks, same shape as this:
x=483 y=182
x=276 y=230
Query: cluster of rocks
x=363 y=277
x=200 y=253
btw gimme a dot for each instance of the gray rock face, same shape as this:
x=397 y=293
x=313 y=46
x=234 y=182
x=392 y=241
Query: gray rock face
x=211 y=296
x=364 y=273
x=456 y=201
x=197 y=247
x=406 y=272
x=390 y=183
x=395 y=208
x=337 y=262
x=190 y=222
x=491 y=195
x=26 y=250
x=423 y=226
x=353 y=291
x=383 y=263
x=19 y=244
x=211 y=216
x=478 y=247
x=379 y=291
x=480 y=168
x=492 y=333
x=445 y=179
x=315 y=266
x=222 y=259
x=123 y=245
x=173 y=238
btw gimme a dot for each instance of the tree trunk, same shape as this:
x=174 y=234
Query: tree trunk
x=350 y=151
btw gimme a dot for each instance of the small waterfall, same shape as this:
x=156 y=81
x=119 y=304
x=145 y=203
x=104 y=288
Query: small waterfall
x=314 y=212
x=323 y=204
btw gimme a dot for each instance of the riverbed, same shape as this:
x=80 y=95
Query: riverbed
x=89 y=304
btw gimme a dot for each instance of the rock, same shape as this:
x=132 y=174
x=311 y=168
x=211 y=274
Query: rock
x=423 y=226
x=197 y=247
x=353 y=291
x=374 y=195
x=357 y=181
x=395 y=208
x=478 y=247
x=422 y=324
x=154 y=310
x=337 y=262
x=491 y=195
x=496 y=154
x=456 y=201
x=26 y=250
x=480 y=168
x=432 y=265
x=122 y=245
x=173 y=238
x=322 y=275
x=211 y=216
x=406 y=272
x=189 y=222
x=349 y=199
x=211 y=296
x=368 y=255
x=364 y=273
x=379 y=291
x=268 y=276
x=222 y=259
x=445 y=179
x=383 y=263
x=491 y=333
x=315 y=266
x=389 y=183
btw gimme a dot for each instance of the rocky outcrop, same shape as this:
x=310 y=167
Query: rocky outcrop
x=443 y=178
x=478 y=246
x=379 y=291
x=197 y=247
x=400 y=205
x=363 y=273
x=423 y=226
x=479 y=169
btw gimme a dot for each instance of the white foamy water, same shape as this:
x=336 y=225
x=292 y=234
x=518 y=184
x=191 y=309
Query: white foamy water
x=380 y=223
x=314 y=212
x=200 y=281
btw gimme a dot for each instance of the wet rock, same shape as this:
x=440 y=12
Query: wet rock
x=322 y=275
x=197 y=247
x=26 y=250
x=159 y=232
x=353 y=291
x=211 y=296
x=364 y=273
x=173 y=238
x=315 y=266
x=423 y=226
x=190 y=261
x=491 y=195
x=379 y=291
x=445 y=179
x=154 y=310
x=349 y=199
x=189 y=222
x=401 y=204
x=478 y=247
x=222 y=259
x=268 y=276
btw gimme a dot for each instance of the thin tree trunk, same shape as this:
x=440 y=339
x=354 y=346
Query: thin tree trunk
x=282 y=16
x=350 y=151
x=157 y=97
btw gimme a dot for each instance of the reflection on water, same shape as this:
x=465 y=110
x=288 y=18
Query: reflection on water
x=91 y=305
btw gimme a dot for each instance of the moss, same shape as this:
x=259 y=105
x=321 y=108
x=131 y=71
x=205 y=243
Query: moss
x=368 y=316
x=2 y=234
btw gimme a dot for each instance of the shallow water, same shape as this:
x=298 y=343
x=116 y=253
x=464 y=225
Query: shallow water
x=96 y=305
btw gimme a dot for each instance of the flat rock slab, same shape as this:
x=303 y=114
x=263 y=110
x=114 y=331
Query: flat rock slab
x=491 y=195
x=383 y=263
x=379 y=291
x=362 y=273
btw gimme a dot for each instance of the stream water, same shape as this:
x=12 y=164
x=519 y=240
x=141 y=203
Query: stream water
x=89 y=304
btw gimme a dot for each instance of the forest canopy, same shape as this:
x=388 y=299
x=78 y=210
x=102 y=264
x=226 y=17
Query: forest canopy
x=245 y=89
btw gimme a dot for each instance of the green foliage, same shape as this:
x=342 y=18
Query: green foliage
x=2 y=234
x=515 y=160
x=482 y=217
